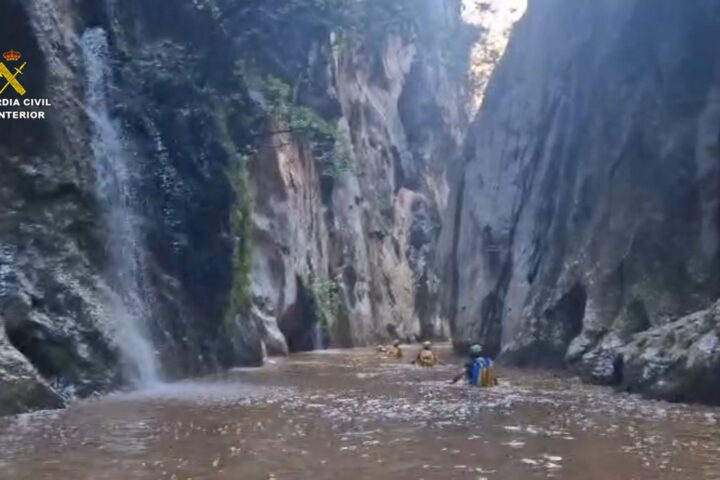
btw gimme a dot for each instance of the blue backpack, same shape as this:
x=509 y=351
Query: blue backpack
x=476 y=369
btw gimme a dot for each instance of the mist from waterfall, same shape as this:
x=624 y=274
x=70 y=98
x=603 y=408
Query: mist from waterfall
x=115 y=170
x=318 y=342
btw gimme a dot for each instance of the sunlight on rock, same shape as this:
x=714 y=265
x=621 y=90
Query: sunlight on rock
x=495 y=19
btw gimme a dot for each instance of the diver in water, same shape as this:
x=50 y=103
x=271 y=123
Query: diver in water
x=395 y=351
x=479 y=370
x=426 y=357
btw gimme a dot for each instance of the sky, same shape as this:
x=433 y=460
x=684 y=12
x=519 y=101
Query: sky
x=497 y=18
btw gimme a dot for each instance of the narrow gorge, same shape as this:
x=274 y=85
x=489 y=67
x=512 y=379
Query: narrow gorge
x=220 y=181
x=237 y=180
x=585 y=226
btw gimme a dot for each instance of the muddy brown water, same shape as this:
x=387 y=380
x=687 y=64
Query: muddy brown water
x=353 y=415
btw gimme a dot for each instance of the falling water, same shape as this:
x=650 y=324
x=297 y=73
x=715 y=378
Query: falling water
x=318 y=343
x=114 y=168
x=7 y=256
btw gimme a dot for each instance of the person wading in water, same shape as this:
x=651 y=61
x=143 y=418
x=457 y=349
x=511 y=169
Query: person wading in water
x=396 y=350
x=426 y=357
x=479 y=370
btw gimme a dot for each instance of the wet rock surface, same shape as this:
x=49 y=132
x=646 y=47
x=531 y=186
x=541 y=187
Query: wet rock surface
x=235 y=223
x=586 y=212
x=579 y=227
x=676 y=362
x=354 y=415
x=21 y=386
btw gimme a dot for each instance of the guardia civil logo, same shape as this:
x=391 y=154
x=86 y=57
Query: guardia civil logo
x=11 y=77
x=14 y=102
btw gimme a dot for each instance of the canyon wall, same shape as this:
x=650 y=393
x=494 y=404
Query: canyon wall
x=230 y=179
x=584 y=224
x=218 y=181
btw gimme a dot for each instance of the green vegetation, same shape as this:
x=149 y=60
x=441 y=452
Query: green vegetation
x=338 y=160
x=329 y=146
x=241 y=225
x=240 y=220
x=327 y=298
x=275 y=37
x=298 y=118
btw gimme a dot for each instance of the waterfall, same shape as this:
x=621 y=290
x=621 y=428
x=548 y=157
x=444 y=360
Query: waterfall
x=318 y=334
x=115 y=170
x=7 y=259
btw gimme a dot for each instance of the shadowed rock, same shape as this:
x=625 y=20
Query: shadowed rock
x=593 y=164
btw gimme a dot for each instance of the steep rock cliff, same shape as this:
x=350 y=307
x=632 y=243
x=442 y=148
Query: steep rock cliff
x=366 y=233
x=218 y=180
x=585 y=225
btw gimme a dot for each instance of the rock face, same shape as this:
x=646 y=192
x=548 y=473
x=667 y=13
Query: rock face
x=176 y=212
x=678 y=361
x=21 y=387
x=263 y=177
x=367 y=231
x=584 y=228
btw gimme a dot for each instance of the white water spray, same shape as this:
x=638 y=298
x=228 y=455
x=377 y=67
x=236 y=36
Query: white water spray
x=318 y=343
x=7 y=259
x=114 y=168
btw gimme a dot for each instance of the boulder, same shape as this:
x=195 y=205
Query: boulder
x=21 y=388
x=272 y=337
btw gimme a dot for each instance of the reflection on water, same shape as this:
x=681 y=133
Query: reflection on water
x=353 y=415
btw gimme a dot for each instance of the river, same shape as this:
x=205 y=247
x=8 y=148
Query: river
x=353 y=415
